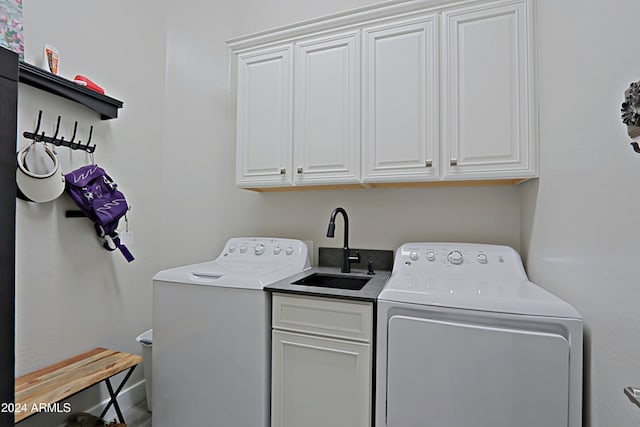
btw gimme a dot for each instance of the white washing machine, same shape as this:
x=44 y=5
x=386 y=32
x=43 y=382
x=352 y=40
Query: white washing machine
x=211 y=334
x=465 y=339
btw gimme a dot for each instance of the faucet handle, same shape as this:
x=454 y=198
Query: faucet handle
x=370 y=271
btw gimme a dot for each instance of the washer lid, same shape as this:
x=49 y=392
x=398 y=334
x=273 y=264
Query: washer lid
x=249 y=263
x=226 y=274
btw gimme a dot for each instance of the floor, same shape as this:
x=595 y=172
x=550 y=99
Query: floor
x=138 y=416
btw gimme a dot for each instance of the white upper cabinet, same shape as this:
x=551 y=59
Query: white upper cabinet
x=487 y=83
x=400 y=101
x=264 y=133
x=403 y=92
x=327 y=110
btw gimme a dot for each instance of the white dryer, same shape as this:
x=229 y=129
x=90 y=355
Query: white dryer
x=465 y=339
x=212 y=334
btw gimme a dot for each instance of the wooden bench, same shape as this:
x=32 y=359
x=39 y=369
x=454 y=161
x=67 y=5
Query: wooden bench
x=57 y=382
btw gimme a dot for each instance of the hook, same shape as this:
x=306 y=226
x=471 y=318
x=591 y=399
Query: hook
x=54 y=140
x=74 y=145
x=55 y=135
x=75 y=128
x=87 y=147
x=38 y=127
x=36 y=136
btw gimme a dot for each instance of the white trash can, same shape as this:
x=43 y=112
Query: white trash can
x=146 y=341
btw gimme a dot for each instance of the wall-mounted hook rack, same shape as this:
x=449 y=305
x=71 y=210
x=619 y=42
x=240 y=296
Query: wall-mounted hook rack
x=41 y=137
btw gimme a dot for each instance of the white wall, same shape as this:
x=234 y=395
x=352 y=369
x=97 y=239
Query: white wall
x=72 y=295
x=580 y=220
x=201 y=116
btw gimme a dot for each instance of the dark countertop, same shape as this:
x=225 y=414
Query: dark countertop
x=369 y=292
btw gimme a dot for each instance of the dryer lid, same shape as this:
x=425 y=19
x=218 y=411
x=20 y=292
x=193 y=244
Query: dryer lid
x=524 y=298
x=469 y=276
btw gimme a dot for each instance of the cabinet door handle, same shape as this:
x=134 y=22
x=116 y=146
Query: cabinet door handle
x=454 y=162
x=428 y=163
x=299 y=170
x=283 y=171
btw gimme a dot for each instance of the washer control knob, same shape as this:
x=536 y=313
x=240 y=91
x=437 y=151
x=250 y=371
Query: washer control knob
x=243 y=249
x=277 y=250
x=259 y=249
x=482 y=258
x=431 y=256
x=289 y=250
x=455 y=257
x=232 y=249
x=413 y=255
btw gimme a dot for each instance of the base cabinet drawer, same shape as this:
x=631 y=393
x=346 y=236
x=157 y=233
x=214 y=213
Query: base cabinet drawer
x=320 y=382
x=351 y=320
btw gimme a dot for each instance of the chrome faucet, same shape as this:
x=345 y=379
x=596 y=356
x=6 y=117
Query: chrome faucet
x=347 y=259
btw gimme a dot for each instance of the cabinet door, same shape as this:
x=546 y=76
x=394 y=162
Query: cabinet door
x=320 y=382
x=487 y=103
x=327 y=110
x=400 y=101
x=265 y=83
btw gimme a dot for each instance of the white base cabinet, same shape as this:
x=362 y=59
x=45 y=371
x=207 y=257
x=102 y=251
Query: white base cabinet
x=321 y=362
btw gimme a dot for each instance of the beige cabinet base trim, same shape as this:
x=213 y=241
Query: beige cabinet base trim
x=486 y=182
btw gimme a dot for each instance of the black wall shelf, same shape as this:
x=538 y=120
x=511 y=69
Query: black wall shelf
x=106 y=106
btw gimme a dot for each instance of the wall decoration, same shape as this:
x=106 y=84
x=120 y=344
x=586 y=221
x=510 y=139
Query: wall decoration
x=631 y=113
x=11 y=26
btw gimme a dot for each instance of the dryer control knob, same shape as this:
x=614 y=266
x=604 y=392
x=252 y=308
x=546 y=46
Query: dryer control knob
x=232 y=248
x=259 y=249
x=413 y=255
x=289 y=250
x=482 y=258
x=277 y=250
x=243 y=249
x=431 y=256
x=455 y=257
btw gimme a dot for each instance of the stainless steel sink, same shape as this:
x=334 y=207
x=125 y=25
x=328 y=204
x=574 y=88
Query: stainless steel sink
x=336 y=281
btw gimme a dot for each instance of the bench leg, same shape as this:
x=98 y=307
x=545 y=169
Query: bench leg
x=114 y=396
